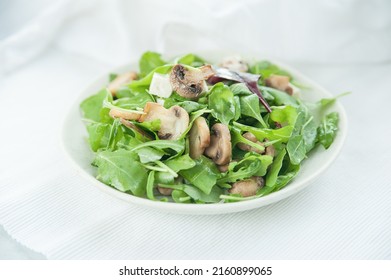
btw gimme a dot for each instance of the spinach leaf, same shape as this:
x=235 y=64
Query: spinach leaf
x=122 y=170
x=328 y=129
x=203 y=175
x=249 y=106
x=149 y=61
x=92 y=106
x=221 y=102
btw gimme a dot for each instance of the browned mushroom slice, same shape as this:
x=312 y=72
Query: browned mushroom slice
x=164 y=191
x=248 y=148
x=173 y=121
x=270 y=151
x=123 y=114
x=247 y=187
x=279 y=82
x=220 y=148
x=121 y=80
x=190 y=83
x=199 y=137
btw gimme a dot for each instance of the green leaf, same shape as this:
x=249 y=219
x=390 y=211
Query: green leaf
x=98 y=135
x=240 y=89
x=237 y=107
x=149 y=154
x=249 y=106
x=133 y=100
x=328 y=129
x=283 y=180
x=150 y=185
x=266 y=69
x=190 y=60
x=282 y=134
x=122 y=170
x=203 y=175
x=236 y=137
x=189 y=106
x=296 y=149
x=149 y=61
x=92 y=105
x=285 y=115
x=221 y=102
x=252 y=164
x=180 y=196
x=146 y=81
x=178 y=146
x=180 y=163
x=280 y=97
x=275 y=168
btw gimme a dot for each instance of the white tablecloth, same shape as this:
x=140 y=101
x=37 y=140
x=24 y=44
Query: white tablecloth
x=46 y=206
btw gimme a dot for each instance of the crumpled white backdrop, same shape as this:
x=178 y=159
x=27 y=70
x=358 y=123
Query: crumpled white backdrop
x=53 y=49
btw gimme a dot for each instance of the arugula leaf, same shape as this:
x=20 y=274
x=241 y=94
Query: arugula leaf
x=203 y=175
x=280 y=97
x=191 y=60
x=189 y=106
x=237 y=107
x=180 y=163
x=237 y=137
x=150 y=185
x=149 y=61
x=275 y=168
x=133 y=100
x=221 y=101
x=266 y=69
x=282 y=134
x=240 y=89
x=146 y=81
x=98 y=135
x=180 y=196
x=283 y=180
x=249 y=106
x=92 y=105
x=328 y=129
x=296 y=149
x=149 y=154
x=178 y=146
x=285 y=115
x=252 y=164
x=122 y=170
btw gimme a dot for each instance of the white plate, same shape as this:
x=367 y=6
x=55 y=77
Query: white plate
x=76 y=147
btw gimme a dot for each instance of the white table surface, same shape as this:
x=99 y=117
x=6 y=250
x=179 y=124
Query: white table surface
x=346 y=214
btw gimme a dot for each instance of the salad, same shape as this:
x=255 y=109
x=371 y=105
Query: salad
x=188 y=131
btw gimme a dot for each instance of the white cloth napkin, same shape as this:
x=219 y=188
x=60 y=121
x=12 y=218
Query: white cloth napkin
x=48 y=207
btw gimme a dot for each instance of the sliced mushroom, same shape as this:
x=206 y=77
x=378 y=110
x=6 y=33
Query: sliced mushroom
x=234 y=63
x=248 y=148
x=164 y=191
x=190 y=83
x=223 y=168
x=247 y=187
x=173 y=121
x=199 y=137
x=279 y=82
x=270 y=151
x=121 y=80
x=118 y=113
x=220 y=148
